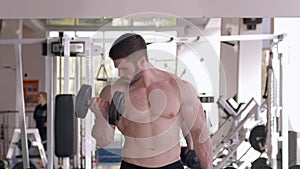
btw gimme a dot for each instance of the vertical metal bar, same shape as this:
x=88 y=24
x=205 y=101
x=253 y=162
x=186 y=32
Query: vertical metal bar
x=92 y=79
x=50 y=113
x=21 y=105
x=284 y=119
x=88 y=121
x=269 y=112
x=78 y=121
x=55 y=92
x=66 y=44
x=272 y=144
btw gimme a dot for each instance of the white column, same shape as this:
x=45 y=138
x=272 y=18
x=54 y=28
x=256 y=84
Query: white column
x=229 y=59
x=20 y=103
x=249 y=66
x=50 y=74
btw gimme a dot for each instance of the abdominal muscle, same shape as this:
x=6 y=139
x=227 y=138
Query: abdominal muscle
x=152 y=144
x=151 y=125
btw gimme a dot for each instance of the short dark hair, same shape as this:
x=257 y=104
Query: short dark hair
x=126 y=45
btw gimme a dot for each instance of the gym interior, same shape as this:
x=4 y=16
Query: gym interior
x=241 y=59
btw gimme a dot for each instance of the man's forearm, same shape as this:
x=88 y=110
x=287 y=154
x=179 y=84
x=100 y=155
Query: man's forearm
x=102 y=131
x=205 y=153
x=189 y=141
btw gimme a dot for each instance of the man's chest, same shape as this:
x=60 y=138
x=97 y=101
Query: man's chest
x=156 y=101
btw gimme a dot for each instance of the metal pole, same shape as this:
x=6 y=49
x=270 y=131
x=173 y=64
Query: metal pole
x=77 y=124
x=66 y=46
x=284 y=119
x=271 y=142
x=88 y=121
x=21 y=106
x=50 y=112
x=167 y=40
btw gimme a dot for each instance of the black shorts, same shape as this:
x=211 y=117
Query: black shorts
x=175 y=165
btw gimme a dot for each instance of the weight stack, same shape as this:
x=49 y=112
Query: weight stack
x=64 y=125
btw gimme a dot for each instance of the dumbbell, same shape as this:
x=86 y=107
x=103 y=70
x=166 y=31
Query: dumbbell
x=82 y=104
x=295 y=167
x=19 y=165
x=29 y=143
x=5 y=163
x=260 y=163
x=190 y=158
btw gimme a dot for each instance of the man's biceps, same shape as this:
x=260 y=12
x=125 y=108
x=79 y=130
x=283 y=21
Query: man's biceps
x=189 y=123
x=204 y=134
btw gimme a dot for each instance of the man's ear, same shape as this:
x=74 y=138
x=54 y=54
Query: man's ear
x=142 y=62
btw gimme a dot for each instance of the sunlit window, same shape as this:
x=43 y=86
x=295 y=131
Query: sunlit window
x=61 y=22
x=156 y=22
x=93 y=22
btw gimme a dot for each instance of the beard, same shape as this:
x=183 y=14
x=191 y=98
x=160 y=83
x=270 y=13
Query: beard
x=137 y=75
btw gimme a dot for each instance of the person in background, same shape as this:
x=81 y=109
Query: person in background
x=40 y=116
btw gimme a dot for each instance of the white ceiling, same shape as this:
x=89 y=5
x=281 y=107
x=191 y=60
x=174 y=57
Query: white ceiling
x=115 y=8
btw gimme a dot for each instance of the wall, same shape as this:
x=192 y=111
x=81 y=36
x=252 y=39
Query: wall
x=229 y=59
x=8 y=66
x=33 y=65
x=249 y=66
x=9 y=120
x=290 y=65
x=32 y=61
x=291 y=61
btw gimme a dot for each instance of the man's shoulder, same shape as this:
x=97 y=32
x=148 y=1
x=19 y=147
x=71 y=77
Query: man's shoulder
x=186 y=89
x=110 y=89
x=175 y=80
x=106 y=92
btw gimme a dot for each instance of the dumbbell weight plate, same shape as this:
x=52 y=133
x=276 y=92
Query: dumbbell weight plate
x=295 y=167
x=260 y=163
x=116 y=108
x=192 y=160
x=19 y=165
x=82 y=102
x=189 y=158
x=257 y=138
x=29 y=143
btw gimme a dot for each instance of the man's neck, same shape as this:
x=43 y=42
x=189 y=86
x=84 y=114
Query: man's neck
x=147 y=77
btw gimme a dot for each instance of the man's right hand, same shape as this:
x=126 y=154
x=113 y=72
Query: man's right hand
x=102 y=131
x=111 y=111
x=99 y=106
